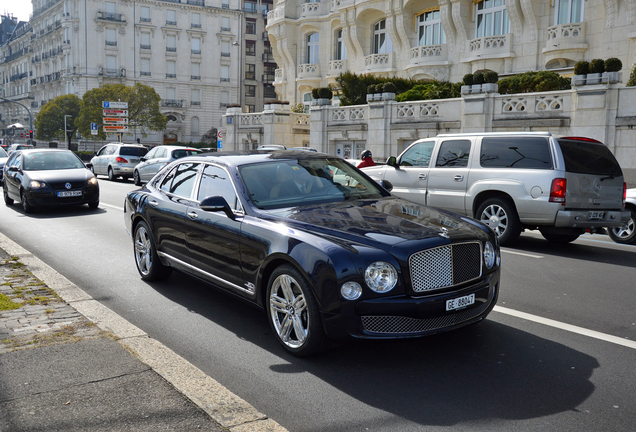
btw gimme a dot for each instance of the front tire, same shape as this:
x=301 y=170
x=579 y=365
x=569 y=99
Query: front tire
x=7 y=200
x=136 y=178
x=500 y=215
x=28 y=208
x=293 y=313
x=625 y=234
x=93 y=205
x=147 y=260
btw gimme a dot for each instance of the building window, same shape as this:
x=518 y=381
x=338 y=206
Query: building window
x=145 y=41
x=171 y=43
x=111 y=65
x=111 y=37
x=196 y=71
x=492 y=18
x=250 y=91
x=430 y=29
x=171 y=17
x=225 y=99
x=313 y=48
x=250 y=108
x=307 y=98
x=171 y=69
x=225 y=24
x=250 y=72
x=145 y=67
x=250 y=7
x=195 y=97
x=250 y=48
x=225 y=74
x=194 y=126
x=250 y=27
x=225 y=49
x=196 y=20
x=144 y=14
x=569 y=11
x=196 y=46
x=171 y=94
x=381 y=39
x=341 y=49
x=268 y=91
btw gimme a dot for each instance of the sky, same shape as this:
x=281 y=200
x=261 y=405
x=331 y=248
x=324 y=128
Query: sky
x=19 y=8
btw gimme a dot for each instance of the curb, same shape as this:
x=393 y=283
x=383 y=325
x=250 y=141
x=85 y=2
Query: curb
x=229 y=410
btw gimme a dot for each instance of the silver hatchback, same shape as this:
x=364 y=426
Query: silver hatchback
x=562 y=186
x=158 y=158
x=117 y=160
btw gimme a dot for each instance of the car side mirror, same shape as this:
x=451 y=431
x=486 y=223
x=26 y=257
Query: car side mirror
x=89 y=165
x=392 y=161
x=143 y=159
x=216 y=204
x=386 y=185
x=13 y=169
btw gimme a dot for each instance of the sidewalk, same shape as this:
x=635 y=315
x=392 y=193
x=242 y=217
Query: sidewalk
x=67 y=363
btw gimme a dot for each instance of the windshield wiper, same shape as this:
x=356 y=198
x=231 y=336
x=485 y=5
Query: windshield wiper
x=611 y=177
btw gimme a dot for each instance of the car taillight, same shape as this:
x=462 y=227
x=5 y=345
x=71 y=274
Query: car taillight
x=624 y=193
x=557 y=191
x=121 y=160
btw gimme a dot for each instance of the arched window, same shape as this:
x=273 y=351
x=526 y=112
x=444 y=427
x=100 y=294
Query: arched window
x=307 y=101
x=194 y=126
x=341 y=49
x=491 y=18
x=569 y=11
x=381 y=40
x=430 y=31
x=313 y=48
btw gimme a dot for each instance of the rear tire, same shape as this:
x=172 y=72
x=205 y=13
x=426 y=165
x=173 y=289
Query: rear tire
x=500 y=215
x=558 y=238
x=147 y=260
x=111 y=174
x=627 y=233
x=136 y=178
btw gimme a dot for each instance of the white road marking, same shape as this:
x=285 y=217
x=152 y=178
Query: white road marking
x=101 y=204
x=567 y=327
x=522 y=254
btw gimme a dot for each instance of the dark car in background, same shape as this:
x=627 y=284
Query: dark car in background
x=157 y=158
x=48 y=177
x=327 y=261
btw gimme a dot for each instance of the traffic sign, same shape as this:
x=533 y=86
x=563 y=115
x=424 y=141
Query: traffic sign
x=116 y=120
x=219 y=135
x=93 y=128
x=219 y=144
x=112 y=128
x=106 y=104
x=115 y=112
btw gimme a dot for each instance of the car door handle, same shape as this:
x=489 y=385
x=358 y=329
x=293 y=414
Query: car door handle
x=154 y=203
x=459 y=178
x=422 y=176
x=193 y=215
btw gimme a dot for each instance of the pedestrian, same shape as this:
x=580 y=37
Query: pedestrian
x=367 y=159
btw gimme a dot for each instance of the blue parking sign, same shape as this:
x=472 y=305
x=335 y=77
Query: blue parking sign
x=219 y=144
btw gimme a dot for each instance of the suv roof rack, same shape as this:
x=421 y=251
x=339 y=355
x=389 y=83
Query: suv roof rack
x=495 y=134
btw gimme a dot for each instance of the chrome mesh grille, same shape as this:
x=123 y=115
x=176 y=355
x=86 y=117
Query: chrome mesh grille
x=406 y=325
x=445 y=266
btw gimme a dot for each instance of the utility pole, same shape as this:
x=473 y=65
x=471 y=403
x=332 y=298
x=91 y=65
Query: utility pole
x=68 y=136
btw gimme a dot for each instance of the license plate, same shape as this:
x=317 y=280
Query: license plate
x=595 y=215
x=74 y=193
x=460 y=302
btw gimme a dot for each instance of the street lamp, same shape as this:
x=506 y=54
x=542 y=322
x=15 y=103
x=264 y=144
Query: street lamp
x=239 y=44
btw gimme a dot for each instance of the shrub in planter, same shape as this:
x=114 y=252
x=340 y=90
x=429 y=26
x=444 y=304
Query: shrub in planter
x=632 y=78
x=468 y=79
x=388 y=87
x=325 y=93
x=534 y=81
x=581 y=68
x=478 y=78
x=379 y=87
x=371 y=89
x=233 y=106
x=314 y=93
x=597 y=66
x=491 y=77
x=613 y=64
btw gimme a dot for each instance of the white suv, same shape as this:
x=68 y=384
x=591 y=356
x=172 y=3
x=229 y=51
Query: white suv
x=562 y=186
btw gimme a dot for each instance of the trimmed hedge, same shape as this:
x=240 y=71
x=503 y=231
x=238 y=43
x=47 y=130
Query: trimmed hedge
x=531 y=82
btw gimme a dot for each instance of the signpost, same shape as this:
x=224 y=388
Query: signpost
x=93 y=128
x=115 y=117
x=219 y=140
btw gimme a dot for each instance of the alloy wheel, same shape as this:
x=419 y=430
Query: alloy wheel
x=288 y=311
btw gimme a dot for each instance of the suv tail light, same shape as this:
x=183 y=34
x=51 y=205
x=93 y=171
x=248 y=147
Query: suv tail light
x=121 y=160
x=624 y=194
x=557 y=191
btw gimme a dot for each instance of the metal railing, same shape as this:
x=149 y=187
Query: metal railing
x=173 y=103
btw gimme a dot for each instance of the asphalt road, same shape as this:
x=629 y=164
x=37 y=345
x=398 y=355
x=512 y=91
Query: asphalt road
x=508 y=373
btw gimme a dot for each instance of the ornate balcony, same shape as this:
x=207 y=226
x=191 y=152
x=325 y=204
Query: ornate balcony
x=309 y=71
x=378 y=63
x=565 y=41
x=336 y=67
x=489 y=47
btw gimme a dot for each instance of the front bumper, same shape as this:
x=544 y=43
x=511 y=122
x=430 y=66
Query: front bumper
x=46 y=197
x=406 y=317
x=582 y=219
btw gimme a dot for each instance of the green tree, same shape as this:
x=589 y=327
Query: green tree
x=49 y=122
x=143 y=108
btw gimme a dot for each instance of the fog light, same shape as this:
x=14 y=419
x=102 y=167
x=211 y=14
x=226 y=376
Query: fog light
x=351 y=290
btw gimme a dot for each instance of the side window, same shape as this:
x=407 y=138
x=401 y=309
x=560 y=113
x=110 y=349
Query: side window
x=161 y=153
x=418 y=155
x=110 y=150
x=453 y=153
x=166 y=184
x=216 y=181
x=518 y=152
x=102 y=151
x=184 y=178
x=16 y=160
x=151 y=154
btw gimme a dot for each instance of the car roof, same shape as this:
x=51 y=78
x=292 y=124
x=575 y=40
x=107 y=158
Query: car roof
x=237 y=158
x=44 y=150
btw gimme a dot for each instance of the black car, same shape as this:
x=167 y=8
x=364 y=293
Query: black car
x=328 y=258
x=48 y=177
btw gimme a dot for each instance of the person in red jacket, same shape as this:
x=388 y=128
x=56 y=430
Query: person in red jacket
x=367 y=159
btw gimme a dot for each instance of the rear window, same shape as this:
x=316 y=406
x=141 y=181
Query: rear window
x=585 y=157
x=133 y=151
x=515 y=152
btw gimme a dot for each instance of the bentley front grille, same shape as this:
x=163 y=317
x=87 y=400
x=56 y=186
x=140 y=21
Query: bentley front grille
x=445 y=266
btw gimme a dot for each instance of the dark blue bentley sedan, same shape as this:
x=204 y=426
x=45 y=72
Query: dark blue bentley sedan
x=327 y=252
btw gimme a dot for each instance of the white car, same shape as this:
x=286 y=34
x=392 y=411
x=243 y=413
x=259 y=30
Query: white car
x=626 y=234
x=158 y=158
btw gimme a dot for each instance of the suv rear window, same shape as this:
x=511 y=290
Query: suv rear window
x=515 y=152
x=586 y=157
x=133 y=151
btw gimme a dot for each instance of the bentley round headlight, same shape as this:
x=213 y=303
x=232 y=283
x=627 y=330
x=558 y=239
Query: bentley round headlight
x=489 y=255
x=351 y=290
x=380 y=276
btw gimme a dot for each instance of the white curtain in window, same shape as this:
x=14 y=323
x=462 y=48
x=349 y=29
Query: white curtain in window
x=341 y=48
x=381 y=40
x=492 y=18
x=569 y=11
x=196 y=69
x=171 y=67
x=194 y=126
x=430 y=29
x=145 y=12
x=171 y=93
x=313 y=48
